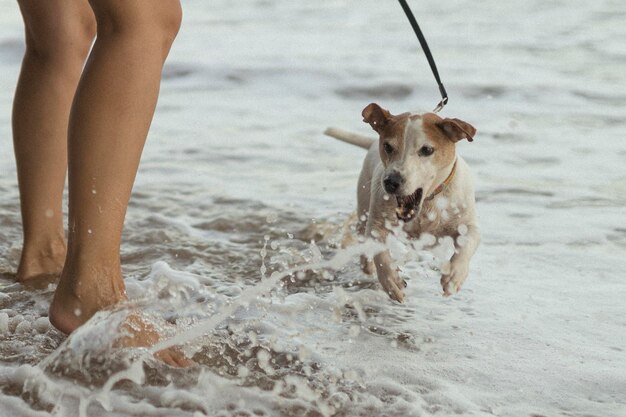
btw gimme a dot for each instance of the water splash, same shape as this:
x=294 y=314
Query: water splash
x=341 y=258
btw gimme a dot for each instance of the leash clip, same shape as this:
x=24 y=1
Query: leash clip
x=444 y=97
x=441 y=105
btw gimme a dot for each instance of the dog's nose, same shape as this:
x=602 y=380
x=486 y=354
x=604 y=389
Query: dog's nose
x=392 y=182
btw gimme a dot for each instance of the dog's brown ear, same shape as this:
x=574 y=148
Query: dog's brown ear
x=457 y=129
x=376 y=116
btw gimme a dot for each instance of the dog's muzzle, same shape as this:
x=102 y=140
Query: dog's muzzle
x=408 y=206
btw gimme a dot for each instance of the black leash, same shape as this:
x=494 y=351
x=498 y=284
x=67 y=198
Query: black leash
x=429 y=56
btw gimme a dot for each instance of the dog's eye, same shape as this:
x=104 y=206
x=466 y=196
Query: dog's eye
x=388 y=148
x=426 y=150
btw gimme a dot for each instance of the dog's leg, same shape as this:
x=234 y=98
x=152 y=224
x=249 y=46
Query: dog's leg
x=364 y=194
x=367 y=265
x=456 y=271
x=386 y=271
x=362 y=213
x=388 y=276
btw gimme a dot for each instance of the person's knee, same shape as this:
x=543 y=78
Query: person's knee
x=170 y=25
x=149 y=22
x=171 y=22
x=64 y=38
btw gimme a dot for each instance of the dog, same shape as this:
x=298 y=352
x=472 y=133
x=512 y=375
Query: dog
x=413 y=178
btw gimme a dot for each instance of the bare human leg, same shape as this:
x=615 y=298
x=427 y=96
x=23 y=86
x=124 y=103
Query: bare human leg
x=59 y=34
x=109 y=122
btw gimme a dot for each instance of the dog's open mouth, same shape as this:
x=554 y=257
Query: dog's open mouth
x=408 y=205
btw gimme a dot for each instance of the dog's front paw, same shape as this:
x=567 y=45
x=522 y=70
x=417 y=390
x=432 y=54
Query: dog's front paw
x=453 y=278
x=393 y=286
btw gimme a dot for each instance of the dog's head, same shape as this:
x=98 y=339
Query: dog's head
x=417 y=151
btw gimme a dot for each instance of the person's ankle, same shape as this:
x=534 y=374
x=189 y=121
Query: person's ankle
x=84 y=290
x=42 y=257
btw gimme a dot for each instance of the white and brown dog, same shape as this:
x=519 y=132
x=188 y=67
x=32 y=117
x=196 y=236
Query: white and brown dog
x=413 y=175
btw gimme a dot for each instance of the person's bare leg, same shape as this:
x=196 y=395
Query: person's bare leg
x=109 y=121
x=59 y=34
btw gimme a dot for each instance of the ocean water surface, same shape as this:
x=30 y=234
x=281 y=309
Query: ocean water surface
x=237 y=184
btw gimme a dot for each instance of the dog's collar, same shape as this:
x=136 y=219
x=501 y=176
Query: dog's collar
x=444 y=184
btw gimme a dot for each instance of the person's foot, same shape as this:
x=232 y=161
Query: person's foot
x=76 y=301
x=42 y=260
x=138 y=332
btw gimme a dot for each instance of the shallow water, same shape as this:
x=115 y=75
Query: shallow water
x=236 y=179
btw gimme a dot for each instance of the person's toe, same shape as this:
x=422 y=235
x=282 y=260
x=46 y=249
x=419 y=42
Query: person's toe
x=174 y=358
